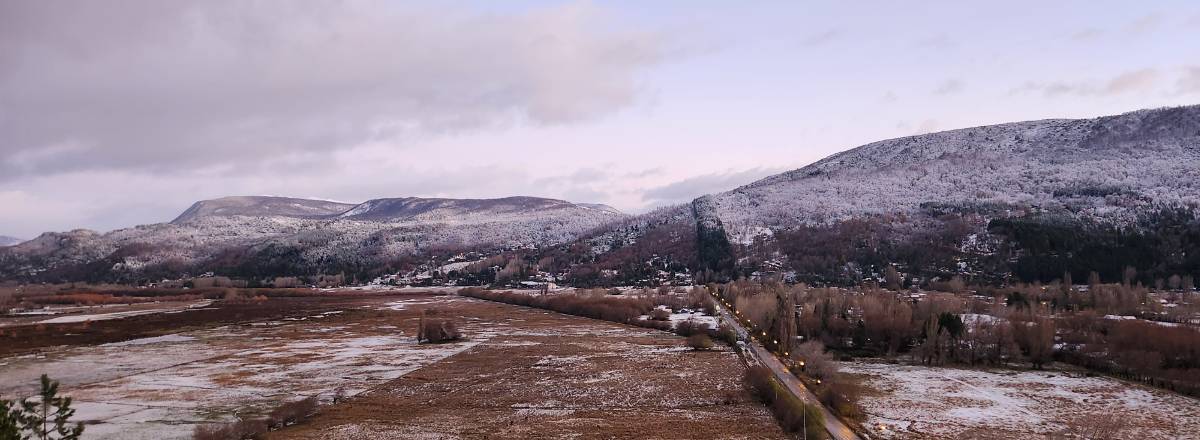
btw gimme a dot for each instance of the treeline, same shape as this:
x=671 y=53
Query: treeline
x=983 y=245
x=603 y=305
x=1166 y=356
x=1097 y=328
x=769 y=312
x=857 y=250
x=1162 y=244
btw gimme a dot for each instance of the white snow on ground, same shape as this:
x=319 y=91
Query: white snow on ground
x=118 y=315
x=710 y=321
x=161 y=387
x=685 y=314
x=919 y=401
x=154 y=340
x=971 y=318
x=410 y=302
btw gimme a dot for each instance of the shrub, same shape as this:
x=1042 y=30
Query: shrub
x=657 y=325
x=726 y=334
x=292 y=412
x=660 y=314
x=239 y=430
x=699 y=342
x=592 y=305
x=817 y=363
x=690 y=327
x=793 y=415
x=437 y=330
x=842 y=395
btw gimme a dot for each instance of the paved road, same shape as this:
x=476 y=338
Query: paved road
x=833 y=425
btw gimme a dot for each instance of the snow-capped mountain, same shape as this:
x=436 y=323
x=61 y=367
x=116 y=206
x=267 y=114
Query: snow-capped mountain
x=1107 y=169
x=1025 y=201
x=458 y=210
x=1031 y=200
x=9 y=241
x=263 y=206
x=311 y=233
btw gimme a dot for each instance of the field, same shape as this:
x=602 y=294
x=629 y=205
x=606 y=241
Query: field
x=918 y=402
x=519 y=373
x=547 y=375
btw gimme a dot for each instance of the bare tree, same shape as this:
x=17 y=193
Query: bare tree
x=892 y=277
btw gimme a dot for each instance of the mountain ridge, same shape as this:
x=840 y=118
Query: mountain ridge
x=976 y=201
x=1031 y=200
x=240 y=232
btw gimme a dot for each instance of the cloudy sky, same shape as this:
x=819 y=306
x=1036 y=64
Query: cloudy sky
x=118 y=113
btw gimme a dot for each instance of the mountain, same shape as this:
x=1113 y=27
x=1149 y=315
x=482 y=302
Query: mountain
x=263 y=206
x=267 y=236
x=1107 y=168
x=9 y=241
x=459 y=210
x=1025 y=201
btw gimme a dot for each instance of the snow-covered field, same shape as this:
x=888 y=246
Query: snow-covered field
x=85 y=317
x=160 y=387
x=687 y=315
x=907 y=401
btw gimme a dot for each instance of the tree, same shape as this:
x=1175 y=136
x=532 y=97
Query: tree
x=1129 y=276
x=956 y=285
x=47 y=418
x=1036 y=338
x=817 y=363
x=10 y=421
x=785 y=323
x=892 y=277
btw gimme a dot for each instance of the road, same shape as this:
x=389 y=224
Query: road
x=834 y=425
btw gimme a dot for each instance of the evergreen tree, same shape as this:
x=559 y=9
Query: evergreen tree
x=48 y=418
x=10 y=421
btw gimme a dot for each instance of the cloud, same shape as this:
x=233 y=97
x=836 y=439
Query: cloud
x=949 y=87
x=1133 y=81
x=1087 y=34
x=582 y=176
x=687 y=189
x=821 y=38
x=1189 y=82
x=158 y=86
x=1145 y=23
x=940 y=41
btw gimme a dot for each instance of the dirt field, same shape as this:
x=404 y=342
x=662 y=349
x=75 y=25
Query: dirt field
x=521 y=373
x=547 y=375
x=918 y=402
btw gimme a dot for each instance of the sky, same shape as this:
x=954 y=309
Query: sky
x=125 y=112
